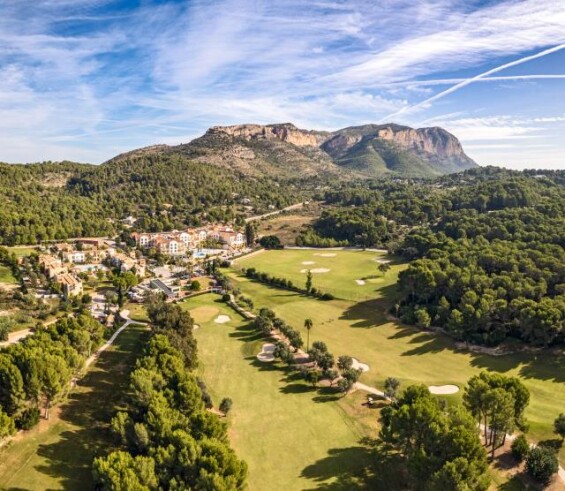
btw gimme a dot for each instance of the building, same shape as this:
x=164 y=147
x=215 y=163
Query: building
x=180 y=242
x=51 y=265
x=170 y=290
x=70 y=285
x=76 y=257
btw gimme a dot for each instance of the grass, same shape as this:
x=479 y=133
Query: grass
x=345 y=267
x=57 y=454
x=21 y=251
x=6 y=276
x=291 y=435
x=361 y=329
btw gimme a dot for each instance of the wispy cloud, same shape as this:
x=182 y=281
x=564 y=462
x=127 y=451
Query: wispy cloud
x=86 y=79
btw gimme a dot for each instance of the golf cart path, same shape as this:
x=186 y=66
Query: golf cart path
x=124 y=314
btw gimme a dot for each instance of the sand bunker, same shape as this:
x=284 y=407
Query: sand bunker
x=357 y=365
x=325 y=254
x=443 y=389
x=383 y=261
x=267 y=352
x=195 y=326
x=316 y=270
x=222 y=319
x=360 y=282
x=306 y=263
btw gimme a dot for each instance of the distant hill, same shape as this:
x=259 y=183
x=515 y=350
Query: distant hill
x=285 y=151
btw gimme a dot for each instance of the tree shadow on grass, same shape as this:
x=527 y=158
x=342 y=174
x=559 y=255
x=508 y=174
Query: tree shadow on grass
x=297 y=389
x=365 y=314
x=543 y=366
x=427 y=345
x=90 y=411
x=359 y=467
x=327 y=394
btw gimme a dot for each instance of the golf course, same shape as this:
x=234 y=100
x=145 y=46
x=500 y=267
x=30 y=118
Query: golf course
x=275 y=410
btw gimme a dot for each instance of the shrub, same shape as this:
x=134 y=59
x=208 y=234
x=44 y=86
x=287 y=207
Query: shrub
x=542 y=463
x=226 y=297
x=28 y=419
x=520 y=448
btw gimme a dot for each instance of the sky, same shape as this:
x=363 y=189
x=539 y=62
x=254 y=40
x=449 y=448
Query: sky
x=85 y=80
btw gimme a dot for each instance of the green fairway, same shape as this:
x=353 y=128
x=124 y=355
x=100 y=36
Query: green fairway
x=292 y=436
x=392 y=350
x=344 y=270
x=58 y=453
x=6 y=276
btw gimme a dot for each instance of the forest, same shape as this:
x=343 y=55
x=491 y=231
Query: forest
x=167 y=438
x=487 y=244
x=54 y=201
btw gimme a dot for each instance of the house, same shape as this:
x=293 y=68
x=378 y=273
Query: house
x=76 y=257
x=70 y=285
x=51 y=265
x=172 y=291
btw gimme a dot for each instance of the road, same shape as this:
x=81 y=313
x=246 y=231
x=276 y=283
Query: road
x=276 y=212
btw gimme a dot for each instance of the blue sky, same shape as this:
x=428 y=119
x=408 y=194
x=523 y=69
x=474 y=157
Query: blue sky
x=87 y=79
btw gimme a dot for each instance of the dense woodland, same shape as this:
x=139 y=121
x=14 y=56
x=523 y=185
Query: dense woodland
x=167 y=437
x=488 y=246
x=56 y=201
x=37 y=371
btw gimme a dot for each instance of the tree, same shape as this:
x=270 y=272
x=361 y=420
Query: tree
x=344 y=385
x=308 y=281
x=391 y=388
x=6 y=325
x=383 y=268
x=250 y=234
x=195 y=286
x=423 y=319
x=270 y=242
x=308 y=324
x=119 y=471
x=438 y=445
x=344 y=362
x=542 y=463
x=7 y=426
x=520 y=447
x=226 y=405
x=559 y=426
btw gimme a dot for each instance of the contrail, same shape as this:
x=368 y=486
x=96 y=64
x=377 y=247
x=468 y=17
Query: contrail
x=468 y=81
x=447 y=81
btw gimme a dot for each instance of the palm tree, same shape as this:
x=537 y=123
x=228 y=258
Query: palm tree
x=308 y=324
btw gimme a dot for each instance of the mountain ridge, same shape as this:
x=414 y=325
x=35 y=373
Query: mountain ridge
x=283 y=150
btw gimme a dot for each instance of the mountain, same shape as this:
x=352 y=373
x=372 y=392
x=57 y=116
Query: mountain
x=285 y=151
x=378 y=149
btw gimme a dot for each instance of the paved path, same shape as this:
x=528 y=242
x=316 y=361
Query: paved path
x=276 y=212
x=368 y=388
x=124 y=314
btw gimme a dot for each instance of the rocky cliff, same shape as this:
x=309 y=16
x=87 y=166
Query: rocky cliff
x=285 y=151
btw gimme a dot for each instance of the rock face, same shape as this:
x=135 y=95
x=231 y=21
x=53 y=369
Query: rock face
x=285 y=151
x=285 y=132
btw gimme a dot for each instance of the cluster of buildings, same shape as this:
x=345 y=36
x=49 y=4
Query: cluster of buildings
x=65 y=261
x=180 y=242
